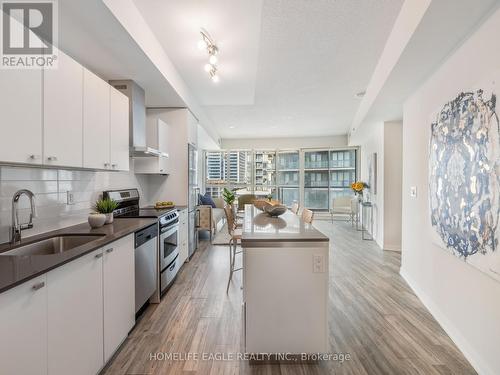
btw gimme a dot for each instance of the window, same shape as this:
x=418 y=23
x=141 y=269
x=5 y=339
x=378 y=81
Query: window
x=216 y=167
x=288 y=177
x=265 y=172
x=314 y=177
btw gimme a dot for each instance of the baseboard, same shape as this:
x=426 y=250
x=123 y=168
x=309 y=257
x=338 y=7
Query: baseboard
x=453 y=332
x=392 y=248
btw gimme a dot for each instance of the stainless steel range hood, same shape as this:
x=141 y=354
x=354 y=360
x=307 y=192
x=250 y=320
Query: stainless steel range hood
x=137 y=108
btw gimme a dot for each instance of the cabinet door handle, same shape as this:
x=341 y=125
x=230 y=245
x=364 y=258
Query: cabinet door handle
x=98 y=255
x=106 y=165
x=109 y=250
x=39 y=285
x=33 y=157
x=52 y=158
x=114 y=165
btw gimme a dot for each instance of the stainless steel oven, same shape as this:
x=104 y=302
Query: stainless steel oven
x=169 y=250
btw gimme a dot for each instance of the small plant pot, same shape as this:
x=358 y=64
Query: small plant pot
x=109 y=218
x=96 y=220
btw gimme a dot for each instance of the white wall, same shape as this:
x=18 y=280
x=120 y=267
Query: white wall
x=372 y=140
x=50 y=187
x=385 y=139
x=465 y=301
x=174 y=186
x=285 y=143
x=393 y=180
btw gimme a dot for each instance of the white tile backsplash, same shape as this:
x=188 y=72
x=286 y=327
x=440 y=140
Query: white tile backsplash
x=50 y=187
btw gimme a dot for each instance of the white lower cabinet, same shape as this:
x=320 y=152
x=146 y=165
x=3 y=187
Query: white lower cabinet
x=23 y=328
x=119 y=293
x=75 y=306
x=72 y=319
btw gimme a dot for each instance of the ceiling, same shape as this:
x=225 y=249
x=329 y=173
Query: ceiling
x=445 y=25
x=287 y=67
x=90 y=33
x=235 y=26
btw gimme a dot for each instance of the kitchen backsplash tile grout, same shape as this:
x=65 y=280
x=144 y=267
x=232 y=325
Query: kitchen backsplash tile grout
x=50 y=187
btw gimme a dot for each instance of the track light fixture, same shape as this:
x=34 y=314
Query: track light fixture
x=208 y=43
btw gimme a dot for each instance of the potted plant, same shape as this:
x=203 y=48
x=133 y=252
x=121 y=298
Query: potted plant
x=106 y=206
x=228 y=196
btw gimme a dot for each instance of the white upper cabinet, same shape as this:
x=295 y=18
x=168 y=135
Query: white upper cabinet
x=96 y=126
x=63 y=113
x=119 y=130
x=119 y=293
x=75 y=313
x=63 y=117
x=23 y=328
x=21 y=116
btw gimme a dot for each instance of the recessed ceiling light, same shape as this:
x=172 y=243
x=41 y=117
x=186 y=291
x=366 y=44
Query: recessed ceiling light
x=360 y=94
x=232 y=127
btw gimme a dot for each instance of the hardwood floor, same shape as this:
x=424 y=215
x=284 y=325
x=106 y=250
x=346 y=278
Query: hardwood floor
x=374 y=317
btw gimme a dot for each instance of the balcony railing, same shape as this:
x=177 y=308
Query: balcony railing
x=342 y=164
x=316 y=164
x=316 y=183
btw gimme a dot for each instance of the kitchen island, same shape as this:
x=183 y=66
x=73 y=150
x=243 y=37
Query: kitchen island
x=285 y=284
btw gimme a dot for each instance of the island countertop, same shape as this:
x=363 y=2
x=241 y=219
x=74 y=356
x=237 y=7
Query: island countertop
x=260 y=227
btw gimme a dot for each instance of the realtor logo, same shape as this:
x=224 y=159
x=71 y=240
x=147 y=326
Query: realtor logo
x=28 y=34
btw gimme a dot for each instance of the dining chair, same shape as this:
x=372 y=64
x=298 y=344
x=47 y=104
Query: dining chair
x=295 y=208
x=307 y=216
x=235 y=236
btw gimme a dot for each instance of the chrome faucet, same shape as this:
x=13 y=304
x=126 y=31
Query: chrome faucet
x=15 y=233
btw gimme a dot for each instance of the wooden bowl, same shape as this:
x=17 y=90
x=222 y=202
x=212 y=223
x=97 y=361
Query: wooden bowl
x=275 y=210
x=261 y=204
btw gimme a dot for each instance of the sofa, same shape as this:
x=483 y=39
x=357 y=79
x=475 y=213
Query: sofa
x=209 y=218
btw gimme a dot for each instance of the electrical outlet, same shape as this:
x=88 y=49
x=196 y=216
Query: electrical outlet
x=413 y=191
x=318 y=263
x=70 y=198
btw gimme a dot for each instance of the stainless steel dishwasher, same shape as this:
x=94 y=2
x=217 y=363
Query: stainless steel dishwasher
x=146 y=264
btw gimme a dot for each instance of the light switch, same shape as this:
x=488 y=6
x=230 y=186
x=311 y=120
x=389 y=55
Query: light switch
x=413 y=191
x=318 y=263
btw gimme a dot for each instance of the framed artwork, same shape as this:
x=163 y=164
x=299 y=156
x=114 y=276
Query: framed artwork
x=464 y=179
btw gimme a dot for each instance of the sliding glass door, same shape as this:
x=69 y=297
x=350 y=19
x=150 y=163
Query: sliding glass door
x=316 y=180
x=288 y=171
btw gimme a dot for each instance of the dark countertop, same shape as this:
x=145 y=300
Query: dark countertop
x=260 y=227
x=15 y=270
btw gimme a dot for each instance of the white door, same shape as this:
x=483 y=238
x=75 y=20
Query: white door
x=75 y=305
x=63 y=113
x=23 y=328
x=21 y=116
x=119 y=293
x=96 y=130
x=119 y=122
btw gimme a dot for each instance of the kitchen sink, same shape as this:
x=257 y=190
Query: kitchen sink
x=53 y=245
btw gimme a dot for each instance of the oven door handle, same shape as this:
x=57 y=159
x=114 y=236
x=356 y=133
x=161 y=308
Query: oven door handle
x=166 y=229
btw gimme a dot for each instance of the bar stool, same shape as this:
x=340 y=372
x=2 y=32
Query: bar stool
x=307 y=216
x=235 y=234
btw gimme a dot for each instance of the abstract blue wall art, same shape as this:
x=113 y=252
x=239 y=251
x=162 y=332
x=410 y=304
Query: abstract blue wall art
x=464 y=179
